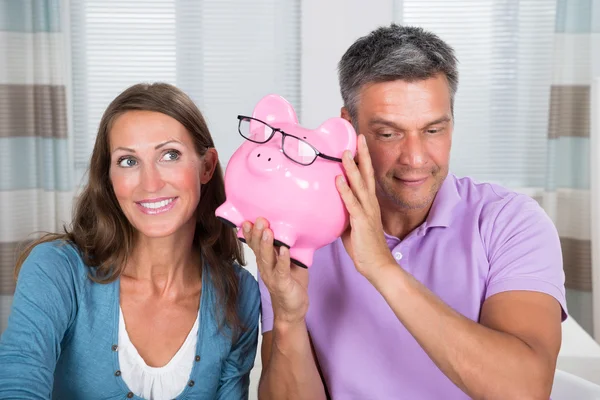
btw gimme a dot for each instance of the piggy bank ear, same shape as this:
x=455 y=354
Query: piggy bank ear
x=275 y=109
x=339 y=135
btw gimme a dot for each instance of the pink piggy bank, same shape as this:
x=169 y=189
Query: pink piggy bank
x=286 y=174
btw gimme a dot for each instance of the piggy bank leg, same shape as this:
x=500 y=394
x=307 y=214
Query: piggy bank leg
x=302 y=257
x=229 y=215
x=283 y=234
x=240 y=235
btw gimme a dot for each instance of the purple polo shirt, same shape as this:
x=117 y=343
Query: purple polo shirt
x=478 y=240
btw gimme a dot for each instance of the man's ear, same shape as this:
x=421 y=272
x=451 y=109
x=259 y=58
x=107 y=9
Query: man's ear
x=209 y=164
x=344 y=113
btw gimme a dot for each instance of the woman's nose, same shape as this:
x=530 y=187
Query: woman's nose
x=151 y=179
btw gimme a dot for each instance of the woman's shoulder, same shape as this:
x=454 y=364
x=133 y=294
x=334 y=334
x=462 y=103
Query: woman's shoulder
x=55 y=258
x=55 y=250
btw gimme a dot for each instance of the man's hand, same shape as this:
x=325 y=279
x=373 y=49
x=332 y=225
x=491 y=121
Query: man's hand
x=364 y=239
x=289 y=367
x=287 y=283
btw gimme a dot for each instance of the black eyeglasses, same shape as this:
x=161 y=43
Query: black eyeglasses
x=294 y=148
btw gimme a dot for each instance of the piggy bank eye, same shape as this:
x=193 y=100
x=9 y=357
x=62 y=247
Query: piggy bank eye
x=259 y=132
x=255 y=130
x=304 y=150
x=299 y=150
x=266 y=133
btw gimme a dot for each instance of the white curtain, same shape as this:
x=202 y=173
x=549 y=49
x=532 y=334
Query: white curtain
x=225 y=54
x=505 y=51
x=36 y=185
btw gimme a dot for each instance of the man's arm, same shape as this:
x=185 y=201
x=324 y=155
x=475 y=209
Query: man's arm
x=511 y=354
x=289 y=367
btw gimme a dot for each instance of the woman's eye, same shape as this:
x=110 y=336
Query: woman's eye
x=126 y=162
x=171 y=155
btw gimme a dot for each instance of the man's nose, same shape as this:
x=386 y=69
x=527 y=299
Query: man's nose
x=413 y=151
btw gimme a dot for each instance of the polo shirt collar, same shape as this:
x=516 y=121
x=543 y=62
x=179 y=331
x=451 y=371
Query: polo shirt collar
x=446 y=199
x=442 y=210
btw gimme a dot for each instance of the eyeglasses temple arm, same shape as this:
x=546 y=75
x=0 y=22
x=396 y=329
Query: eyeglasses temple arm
x=329 y=157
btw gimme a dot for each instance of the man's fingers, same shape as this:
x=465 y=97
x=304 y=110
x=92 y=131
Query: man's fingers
x=247 y=231
x=365 y=165
x=267 y=252
x=262 y=249
x=299 y=274
x=355 y=178
x=350 y=201
x=282 y=267
x=259 y=226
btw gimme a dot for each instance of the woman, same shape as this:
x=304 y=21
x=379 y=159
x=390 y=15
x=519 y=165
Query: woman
x=143 y=297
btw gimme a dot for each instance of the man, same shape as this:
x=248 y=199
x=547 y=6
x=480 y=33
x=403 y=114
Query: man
x=442 y=288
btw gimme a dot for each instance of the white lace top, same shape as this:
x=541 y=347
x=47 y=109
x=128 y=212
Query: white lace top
x=153 y=383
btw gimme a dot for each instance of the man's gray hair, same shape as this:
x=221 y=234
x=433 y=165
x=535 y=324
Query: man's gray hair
x=392 y=53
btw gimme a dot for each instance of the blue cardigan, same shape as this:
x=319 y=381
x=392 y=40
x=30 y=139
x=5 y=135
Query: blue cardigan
x=63 y=328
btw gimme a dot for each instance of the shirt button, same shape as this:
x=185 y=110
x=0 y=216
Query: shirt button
x=117 y=373
x=191 y=383
x=197 y=358
x=115 y=347
x=129 y=395
x=398 y=256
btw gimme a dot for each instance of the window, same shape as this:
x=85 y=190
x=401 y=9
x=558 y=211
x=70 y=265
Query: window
x=225 y=55
x=505 y=52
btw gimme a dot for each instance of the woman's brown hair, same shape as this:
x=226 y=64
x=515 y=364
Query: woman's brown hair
x=104 y=236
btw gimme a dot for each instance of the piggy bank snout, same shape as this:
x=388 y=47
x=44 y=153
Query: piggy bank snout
x=264 y=159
